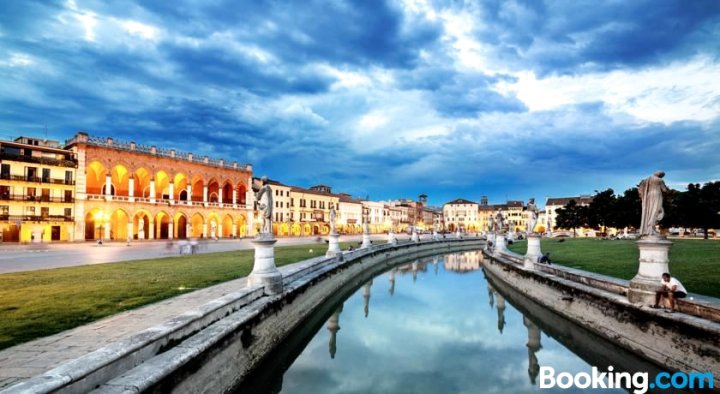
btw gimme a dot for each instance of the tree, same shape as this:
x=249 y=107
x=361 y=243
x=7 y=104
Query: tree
x=628 y=209
x=571 y=216
x=601 y=210
x=700 y=206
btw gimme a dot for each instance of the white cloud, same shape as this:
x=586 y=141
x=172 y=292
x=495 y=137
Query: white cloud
x=140 y=29
x=664 y=94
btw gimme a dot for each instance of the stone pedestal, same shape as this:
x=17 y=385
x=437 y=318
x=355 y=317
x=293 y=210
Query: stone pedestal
x=264 y=272
x=366 y=243
x=500 y=246
x=391 y=238
x=435 y=236
x=334 y=246
x=533 y=251
x=415 y=237
x=653 y=263
x=458 y=234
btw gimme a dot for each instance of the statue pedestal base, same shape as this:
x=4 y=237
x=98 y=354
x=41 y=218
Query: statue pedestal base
x=533 y=251
x=435 y=236
x=500 y=246
x=334 y=246
x=391 y=238
x=366 y=243
x=490 y=241
x=458 y=234
x=653 y=263
x=415 y=237
x=264 y=272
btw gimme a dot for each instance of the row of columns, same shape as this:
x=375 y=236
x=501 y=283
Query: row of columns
x=206 y=230
x=131 y=192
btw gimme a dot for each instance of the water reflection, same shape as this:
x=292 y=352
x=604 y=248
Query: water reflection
x=434 y=337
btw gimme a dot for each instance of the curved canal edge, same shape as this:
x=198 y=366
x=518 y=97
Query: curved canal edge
x=676 y=342
x=215 y=347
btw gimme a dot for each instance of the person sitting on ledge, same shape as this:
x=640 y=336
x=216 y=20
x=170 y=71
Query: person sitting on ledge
x=545 y=259
x=670 y=288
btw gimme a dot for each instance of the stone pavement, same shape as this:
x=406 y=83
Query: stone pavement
x=33 y=358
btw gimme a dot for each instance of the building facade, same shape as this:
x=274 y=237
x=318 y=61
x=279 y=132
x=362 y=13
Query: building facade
x=37 y=191
x=461 y=214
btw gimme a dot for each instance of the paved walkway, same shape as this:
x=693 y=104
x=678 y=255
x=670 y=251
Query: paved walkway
x=24 y=361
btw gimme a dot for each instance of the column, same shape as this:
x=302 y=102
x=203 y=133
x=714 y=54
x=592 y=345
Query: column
x=172 y=193
x=189 y=195
x=188 y=230
x=234 y=230
x=152 y=191
x=129 y=230
x=108 y=187
x=131 y=189
x=205 y=229
x=151 y=230
x=106 y=232
x=220 y=192
x=171 y=230
x=219 y=231
x=234 y=199
x=205 y=190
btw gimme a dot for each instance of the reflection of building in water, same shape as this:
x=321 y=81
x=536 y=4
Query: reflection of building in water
x=392 y=281
x=533 y=346
x=491 y=295
x=435 y=264
x=463 y=262
x=366 y=296
x=333 y=325
x=414 y=266
x=500 y=311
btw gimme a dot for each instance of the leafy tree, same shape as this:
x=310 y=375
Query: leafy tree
x=601 y=211
x=571 y=216
x=628 y=209
x=700 y=206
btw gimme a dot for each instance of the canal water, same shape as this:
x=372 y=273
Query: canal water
x=434 y=325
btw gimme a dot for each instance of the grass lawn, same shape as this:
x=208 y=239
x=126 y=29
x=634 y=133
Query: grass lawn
x=695 y=262
x=40 y=303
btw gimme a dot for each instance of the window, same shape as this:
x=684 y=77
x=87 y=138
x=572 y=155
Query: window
x=44 y=212
x=287 y=193
x=5 y=192
x=292 y=202
x=30 y=210
x=302 y=203
x=4 y=209
x=46 y=175
x=68 y=178
x=31 y=174
x=30 y=193
x=45 y=195
x=5 y=171
x=68 y=196
x=68 y=212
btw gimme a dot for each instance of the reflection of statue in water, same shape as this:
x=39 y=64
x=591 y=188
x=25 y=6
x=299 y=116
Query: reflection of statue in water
x=333 y=325
x=333 y=219
x=366 y=297
x=501 y=312
x=263 y=196
x=533 y=346
x=532 y=216
x=651 y=191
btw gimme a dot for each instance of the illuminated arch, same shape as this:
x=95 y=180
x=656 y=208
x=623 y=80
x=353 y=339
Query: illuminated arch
x=180 y=226
x=120 y=180
x=180 y=183
x=162 y=185
x=241 y=225
x=141 y=224
x=241 y=190
x=227 y=226
x=196 y=225
x=213 y=225
x=95 y=174
x=227 y=191
x=295 y=230
x=142 y=182
x=93 y=224
x=119 y=225
x=162 y=225
x=197 y=183
x=213 y=190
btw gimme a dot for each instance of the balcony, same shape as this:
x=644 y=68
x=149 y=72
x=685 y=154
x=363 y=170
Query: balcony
x=22 y=197
x=168 y=202
x=38 y=160
x=35 y=179
x=36 y=218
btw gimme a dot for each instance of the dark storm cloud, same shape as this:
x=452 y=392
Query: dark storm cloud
x=567 y=37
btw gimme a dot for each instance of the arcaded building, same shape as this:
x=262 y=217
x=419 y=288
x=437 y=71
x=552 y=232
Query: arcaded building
x=127 y=191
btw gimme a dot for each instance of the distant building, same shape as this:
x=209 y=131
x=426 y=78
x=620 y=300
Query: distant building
x=461 y=214
x=552 y=204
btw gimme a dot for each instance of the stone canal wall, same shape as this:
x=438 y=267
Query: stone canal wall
x=213 y=348
x=675 y=342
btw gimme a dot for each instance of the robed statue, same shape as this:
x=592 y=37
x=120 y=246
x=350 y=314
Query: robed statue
x=532 y=216
x=264 y=199
x=333 y=220
x=651 y=191
x=499 y=221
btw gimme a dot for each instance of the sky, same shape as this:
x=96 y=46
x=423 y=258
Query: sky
x=501 y=98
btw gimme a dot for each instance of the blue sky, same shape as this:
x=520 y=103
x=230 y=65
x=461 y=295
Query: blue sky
x=510 y=99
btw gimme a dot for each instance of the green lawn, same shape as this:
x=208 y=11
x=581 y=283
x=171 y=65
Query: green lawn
x=695 y=262
x=40 y=303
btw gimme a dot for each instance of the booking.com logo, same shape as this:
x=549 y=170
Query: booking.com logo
x=639 y=382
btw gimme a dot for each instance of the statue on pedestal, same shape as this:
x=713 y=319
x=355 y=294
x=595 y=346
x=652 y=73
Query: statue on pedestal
x=532 y=216
x=651 y=191
x=333 y=220
x=499 y=221
x=263 y=196
x=141 y=228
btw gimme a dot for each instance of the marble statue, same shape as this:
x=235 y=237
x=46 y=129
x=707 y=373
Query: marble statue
x=651 y=191
x=265 y=207
x=491 y=224
x=141 y=228
x=333 y=220
x=499 y=221
x=532 y=216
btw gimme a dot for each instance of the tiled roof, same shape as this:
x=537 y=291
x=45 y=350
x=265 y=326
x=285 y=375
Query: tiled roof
x=460 y=201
